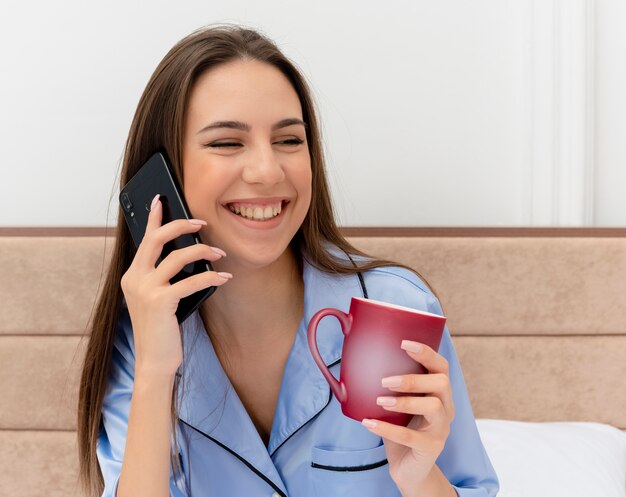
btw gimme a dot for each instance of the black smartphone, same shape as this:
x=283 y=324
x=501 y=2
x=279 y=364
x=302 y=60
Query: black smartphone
x=156 y=176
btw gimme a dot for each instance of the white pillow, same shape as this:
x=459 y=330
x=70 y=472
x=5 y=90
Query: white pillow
x=556 y=459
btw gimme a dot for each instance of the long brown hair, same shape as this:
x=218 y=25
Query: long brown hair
x=158 y=123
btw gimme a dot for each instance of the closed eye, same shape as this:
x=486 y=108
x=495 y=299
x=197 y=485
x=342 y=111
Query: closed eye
x=292 y=142
x=222 y=145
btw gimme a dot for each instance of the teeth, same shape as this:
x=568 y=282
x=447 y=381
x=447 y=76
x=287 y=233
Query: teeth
x=257 y=213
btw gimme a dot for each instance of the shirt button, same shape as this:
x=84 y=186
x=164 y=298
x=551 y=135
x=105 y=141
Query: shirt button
x=275 y=494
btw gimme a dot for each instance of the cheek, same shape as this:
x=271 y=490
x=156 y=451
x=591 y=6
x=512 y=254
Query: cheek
x=309 y=185
x=191 y=187
x=305 y=179
x=303 y=189
x=201 y=192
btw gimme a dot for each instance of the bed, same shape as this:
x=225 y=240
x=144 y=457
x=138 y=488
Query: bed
x=538 y=319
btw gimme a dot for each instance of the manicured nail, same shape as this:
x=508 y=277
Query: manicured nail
x=411 y=346
x=386 y=401
x=197 y=221
x=154 y=201
x=368 y=423
x=218 y=251
x=225 y=275
x=392 y=381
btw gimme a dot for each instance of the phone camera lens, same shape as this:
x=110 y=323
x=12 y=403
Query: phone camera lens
x=126 y=203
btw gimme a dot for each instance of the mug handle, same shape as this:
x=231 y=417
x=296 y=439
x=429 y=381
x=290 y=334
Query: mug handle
x=345 y=320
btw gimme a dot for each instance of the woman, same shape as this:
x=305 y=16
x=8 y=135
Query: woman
x=230 y=402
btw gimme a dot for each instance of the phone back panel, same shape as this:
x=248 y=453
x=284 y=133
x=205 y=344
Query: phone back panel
x=156 y=176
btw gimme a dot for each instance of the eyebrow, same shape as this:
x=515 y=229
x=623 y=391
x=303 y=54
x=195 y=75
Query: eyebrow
x=246 y=127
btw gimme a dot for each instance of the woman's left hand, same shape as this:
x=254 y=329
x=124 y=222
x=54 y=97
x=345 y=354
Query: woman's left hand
x=413 y=450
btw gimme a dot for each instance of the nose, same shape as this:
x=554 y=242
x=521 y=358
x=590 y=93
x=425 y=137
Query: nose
x=263 y=166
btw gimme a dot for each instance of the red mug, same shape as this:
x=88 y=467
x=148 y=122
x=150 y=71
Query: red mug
x=373 y=332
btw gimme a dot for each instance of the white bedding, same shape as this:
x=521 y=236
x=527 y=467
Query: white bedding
x=556 y=459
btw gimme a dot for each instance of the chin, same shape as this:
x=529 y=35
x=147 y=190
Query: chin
x=256 y=258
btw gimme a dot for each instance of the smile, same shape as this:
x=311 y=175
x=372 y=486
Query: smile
x=257 y=212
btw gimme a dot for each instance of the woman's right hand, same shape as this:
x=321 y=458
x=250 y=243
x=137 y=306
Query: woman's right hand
x=152 y=301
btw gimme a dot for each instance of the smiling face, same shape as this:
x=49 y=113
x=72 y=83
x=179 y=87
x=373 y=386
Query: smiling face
x=245 y=149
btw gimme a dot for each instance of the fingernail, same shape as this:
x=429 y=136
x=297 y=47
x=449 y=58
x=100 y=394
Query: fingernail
x=225 y=275
x=368 y=423
x=218 y=251
x=411 y=346
x=392 y=381
x=197 y=221
x=386 y=401
x=154 y=201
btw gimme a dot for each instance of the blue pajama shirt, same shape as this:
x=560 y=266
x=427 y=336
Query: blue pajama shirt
x=313 y=450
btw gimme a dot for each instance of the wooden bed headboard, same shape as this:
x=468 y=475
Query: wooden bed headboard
x=537 y=316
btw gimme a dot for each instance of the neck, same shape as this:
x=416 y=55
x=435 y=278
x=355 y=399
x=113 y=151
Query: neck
x=258 y=308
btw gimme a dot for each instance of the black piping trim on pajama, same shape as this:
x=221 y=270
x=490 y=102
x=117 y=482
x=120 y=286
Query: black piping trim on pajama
x=364 y=290
x=250 y=466
x=256 y=471
x=365 y=467
x=349 y=468
x=362 y=284
x=312 y=418
x=361 y=281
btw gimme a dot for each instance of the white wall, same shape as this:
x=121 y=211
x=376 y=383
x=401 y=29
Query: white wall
x=610 y=133
x=451 y=113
